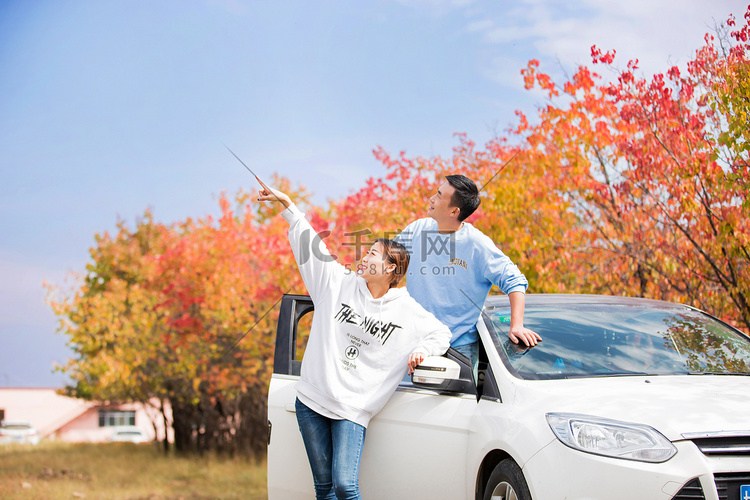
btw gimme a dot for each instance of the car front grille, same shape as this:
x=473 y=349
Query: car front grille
x=719 y=444
x=728 y=484
x=723 y=445
x=691 y=491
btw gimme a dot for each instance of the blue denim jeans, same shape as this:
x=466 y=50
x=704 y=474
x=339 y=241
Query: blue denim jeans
x=334 y=449
x=471 y=351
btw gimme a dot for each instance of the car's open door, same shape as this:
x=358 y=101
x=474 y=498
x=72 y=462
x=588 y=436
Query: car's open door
x=416 y=447
x=289 y=476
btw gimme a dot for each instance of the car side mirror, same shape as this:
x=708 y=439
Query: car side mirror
x=440 y=373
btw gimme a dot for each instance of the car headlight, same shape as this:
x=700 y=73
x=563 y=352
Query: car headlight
x=611 y=438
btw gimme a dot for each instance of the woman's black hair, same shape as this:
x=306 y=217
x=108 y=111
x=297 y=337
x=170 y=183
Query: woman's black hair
x=395 y=253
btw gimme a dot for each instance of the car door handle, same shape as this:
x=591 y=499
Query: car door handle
x=290 y=408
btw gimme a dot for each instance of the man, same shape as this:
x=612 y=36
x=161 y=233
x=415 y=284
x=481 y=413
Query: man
x=454 y=265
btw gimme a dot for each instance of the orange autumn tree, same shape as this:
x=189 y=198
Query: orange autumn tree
x=185 y=314
x=659 y=191
x=221 y=284
x=111 y=319
x=110 y=311
x=634 y=187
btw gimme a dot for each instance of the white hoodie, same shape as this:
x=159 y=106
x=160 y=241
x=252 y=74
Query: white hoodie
x=359 y=346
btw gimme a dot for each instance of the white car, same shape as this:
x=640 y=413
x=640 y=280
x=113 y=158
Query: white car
x=128 y=434
x=18 y=431
x=624 y=399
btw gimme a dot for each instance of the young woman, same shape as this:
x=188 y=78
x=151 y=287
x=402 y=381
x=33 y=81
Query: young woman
x=365 y=334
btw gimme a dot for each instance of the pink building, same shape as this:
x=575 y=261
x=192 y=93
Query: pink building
x=75 y=420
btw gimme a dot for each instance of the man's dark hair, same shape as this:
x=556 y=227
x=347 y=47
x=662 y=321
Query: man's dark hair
x=465 y=196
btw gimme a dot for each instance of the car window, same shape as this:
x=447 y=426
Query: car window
x=17 y=427
x=303 y=333
x=607 y=340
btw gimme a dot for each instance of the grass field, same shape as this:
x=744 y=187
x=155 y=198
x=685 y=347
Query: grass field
x=123 y=471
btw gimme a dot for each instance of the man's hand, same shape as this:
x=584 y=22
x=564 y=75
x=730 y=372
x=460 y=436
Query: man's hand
x=518 y=332
x=523 y=334
x=415 y=359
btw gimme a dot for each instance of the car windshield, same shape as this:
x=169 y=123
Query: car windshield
x=584 y=340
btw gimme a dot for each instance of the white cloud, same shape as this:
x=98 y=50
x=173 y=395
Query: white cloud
x=657 y=33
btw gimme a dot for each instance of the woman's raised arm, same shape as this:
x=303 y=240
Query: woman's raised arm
x=271 y=194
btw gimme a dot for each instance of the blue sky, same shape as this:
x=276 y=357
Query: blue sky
x=108 y=108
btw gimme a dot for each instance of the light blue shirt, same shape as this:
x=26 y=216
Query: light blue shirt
x=450 y=275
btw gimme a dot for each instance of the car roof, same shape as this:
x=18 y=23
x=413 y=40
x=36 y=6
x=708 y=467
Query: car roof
x=572 y=299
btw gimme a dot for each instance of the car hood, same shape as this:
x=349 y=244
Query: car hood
x=674 y=405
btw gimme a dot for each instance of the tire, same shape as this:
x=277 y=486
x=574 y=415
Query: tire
x=507 y=483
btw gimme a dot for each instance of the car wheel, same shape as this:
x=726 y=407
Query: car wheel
x=507 y=483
